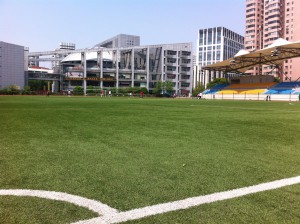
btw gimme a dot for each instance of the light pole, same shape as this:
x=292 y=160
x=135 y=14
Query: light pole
x=260 y=41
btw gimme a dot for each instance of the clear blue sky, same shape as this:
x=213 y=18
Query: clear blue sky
x=42 y=24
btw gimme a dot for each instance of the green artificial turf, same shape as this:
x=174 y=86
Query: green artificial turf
x=129 y=153
x=277 y=206
x=35 y=210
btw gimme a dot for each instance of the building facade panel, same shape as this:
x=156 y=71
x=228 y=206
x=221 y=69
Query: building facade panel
x=291 y=67
x=141 y=66
x=12 y=65
x=121 y=62
x=268 y=20
x=214 y=45
x=121 y=40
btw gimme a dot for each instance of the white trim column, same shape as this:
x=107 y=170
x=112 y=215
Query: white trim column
x=117 y=68
x=147 y=68
x=83 y=63
x=132 y=68
x=162 y=63
x=178 y=72
x=101 y=69
x=100 y=65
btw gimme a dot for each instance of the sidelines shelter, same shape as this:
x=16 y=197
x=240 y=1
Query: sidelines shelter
x=273 y=55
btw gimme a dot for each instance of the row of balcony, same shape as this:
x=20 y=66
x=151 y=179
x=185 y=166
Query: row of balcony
x=180 y=71
x=181 y=56
x=171 y=69
x=97 y=69
x=43 y=76
x=111 y=79
x=183 y=80
x=181 y=63
x=141 y=79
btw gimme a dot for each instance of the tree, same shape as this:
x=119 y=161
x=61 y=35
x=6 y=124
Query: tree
x=78 y=90
x=158 y=88
x=36 y=85
x=217 y=82
x=144 y=90
x=26 y=90
x=122 y=90
x=276 y=79
x=199 y=89
x=12 y=89
x=163 y=87
x=168 y=87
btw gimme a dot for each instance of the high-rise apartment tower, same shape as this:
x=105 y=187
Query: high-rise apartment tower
x=268 y=20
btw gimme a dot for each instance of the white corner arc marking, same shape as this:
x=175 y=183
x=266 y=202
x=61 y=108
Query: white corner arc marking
x=98 y=207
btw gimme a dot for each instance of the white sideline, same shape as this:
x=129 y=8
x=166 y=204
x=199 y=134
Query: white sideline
x=110 y=215
x=93 y=205
x=189 y=202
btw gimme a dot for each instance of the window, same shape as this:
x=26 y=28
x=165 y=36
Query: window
x=209 y=56
x=209 y=41
x=218 y=36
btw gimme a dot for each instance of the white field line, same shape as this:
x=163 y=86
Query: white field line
x=189 y=202
x=98 y=207
x=111 y=215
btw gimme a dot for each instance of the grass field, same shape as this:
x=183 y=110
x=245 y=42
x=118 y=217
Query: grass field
x=131 y=153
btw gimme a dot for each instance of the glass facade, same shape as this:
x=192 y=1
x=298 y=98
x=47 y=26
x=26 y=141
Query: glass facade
x=215 y=45
x=212 y=40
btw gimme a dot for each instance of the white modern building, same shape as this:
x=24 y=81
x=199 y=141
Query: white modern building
x=138 y=66
x=13 y=65
x=215 y=45
x=121 y=62
x=121 y=40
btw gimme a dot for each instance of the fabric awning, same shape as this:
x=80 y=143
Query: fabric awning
x=274 y=54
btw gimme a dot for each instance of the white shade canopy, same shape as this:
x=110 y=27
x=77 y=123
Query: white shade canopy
x=89 y=56
x=241 y=52
x=274 y=54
